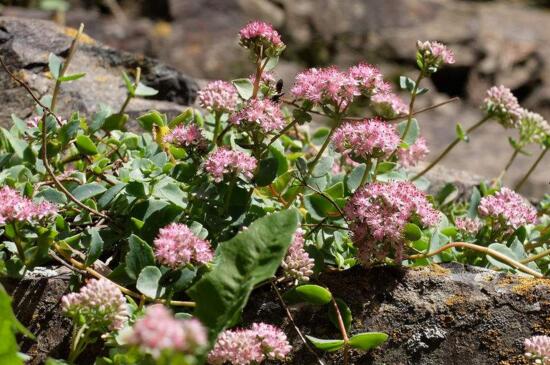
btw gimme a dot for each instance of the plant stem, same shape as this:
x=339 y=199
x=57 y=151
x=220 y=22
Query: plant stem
x=259 y=71
x=78 y=343
x=508 y=164
x=411 y=104
x=531 y=169
x=229 y=193
x=342 y=331
x=450 y=147
x=338 y=120
x=482 y=249
x=217 y=125
x=368 y=167
x=289 y=315
x=536 y=257
x=18 y=245
x=72 y=50
x=130 y=95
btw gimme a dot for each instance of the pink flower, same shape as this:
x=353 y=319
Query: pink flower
x=187 y=136
x=218 y=96
x=158 y=331
x=507 y=209
x=533 y=128
x=225 y=161
x=14 y=207
x=268 y=78
x=501 y=104
x=413 y=154
x=263 y=113
x=468 y=225
x=243 y=347
x=537 y=348
x=434 y=54
x=297 y=263
x=326 y=86
x=369 y=138
x=176 y=246
x=100 y=302
x=368 y=78
x=378 y=213
x=258 y=36
x=387 y=104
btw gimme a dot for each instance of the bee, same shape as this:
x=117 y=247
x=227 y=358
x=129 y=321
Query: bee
x=278 y=90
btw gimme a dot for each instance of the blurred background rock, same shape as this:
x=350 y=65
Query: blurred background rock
x=496 y=42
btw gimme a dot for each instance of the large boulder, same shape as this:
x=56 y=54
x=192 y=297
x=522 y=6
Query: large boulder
x=25 y=45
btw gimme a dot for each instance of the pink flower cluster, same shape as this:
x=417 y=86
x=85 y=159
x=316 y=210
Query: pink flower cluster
x=264 y=113
x=225 y=161
x=297 y=263
x=218 y=96
x=369 y=138
x=533 y=128
x=500 y=103
x=507 y=209
x=189 y=136
x=434 y=55
x=268 y=78
x=537 y=348
x=14 y=207
x=158 y=331
x=250 y=346
x=415 y=153
x=387 y=104
x=258 y=35
x=176 y=246
x=100 y=302
x=368 y=78
x=378 y=213
x=468 y=225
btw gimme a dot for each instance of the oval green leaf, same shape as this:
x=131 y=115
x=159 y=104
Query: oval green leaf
x=326 y=345
x=85 y=145
x=368 y=340
x=412 y=232
x=314 y=294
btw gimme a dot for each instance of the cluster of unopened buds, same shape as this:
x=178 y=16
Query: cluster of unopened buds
x=537 y=349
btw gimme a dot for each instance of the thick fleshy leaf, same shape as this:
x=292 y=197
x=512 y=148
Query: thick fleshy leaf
x=148 y=282
x=367 y=340
x=139 y=256
x=326 y=345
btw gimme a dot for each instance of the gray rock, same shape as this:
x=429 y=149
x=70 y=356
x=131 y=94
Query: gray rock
x=25 y=46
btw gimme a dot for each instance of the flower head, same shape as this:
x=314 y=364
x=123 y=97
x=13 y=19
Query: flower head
x=378 y=213
x=369 y=138
x=250 y=346
x=225 y=161
x=100 y=303
x=326 y=86
x=368 y=78
x=268 y=78
x=158 y=331
x=264 y=113
x=262 y=39
x=537 y=348
x=468 y=225
x=188 y=136
x=218 y=96
x=176 y=246
x=533 y=128
x=414 y=153
x=387 y=104
x=297 y=263
x=507 y=209
x=14 y=207
x=501 y=104
x=433 y=55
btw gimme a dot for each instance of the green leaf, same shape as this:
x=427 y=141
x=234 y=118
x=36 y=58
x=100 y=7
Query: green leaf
x=69 y=131
x=353 y=180
x=320 y=135
x=412 y=232
x=115 y=122
x=85 y=145
x=384 y=167
x=244 y=88
x=475 y=198
x=52 y=195
x=96 y=246
x=147 y=121
x=72 y=77
x=406 y=83
x=313 y=294
x=18 y=145
x=367 y=340
x=412 y=134
x=9 y=326
x=504 y=250
x=55 y=64
x=128 y=83
x=460 y=133
x=345 y=312
x=87 y=191
x=144 y=90
x=139 y=256
x=148 y=282
x=447 y=194
x=110 y=194
x=267 y=171
x=271 y=63
x=249 y=258
x=326 y=345
x=136 y=188
x=173 y=194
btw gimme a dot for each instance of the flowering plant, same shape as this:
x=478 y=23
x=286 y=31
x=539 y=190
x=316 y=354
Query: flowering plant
x=195 y=211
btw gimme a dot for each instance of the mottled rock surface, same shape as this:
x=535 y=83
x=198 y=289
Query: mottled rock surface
x=25 y=46
x=449 y=314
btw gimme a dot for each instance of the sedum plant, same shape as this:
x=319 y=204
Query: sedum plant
x=171 y=225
